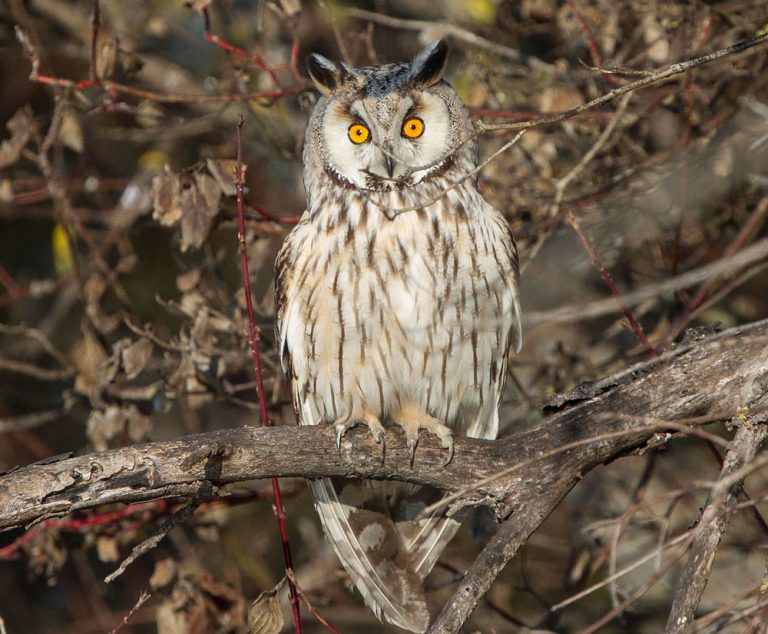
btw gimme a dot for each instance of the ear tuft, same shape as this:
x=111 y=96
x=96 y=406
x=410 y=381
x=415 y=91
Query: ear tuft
x=428 y=66
x=324 y=73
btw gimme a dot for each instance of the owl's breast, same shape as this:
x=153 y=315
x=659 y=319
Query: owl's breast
x=410 y=310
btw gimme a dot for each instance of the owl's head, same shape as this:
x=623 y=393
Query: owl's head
x=385 y=127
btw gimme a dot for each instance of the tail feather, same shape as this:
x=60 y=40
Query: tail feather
x=369 y=546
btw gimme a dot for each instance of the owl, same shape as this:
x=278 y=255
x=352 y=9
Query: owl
x=397 y=304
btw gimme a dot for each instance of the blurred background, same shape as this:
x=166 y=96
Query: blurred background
x=121 y=306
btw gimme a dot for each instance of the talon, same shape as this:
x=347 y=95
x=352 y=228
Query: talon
x=412 y=449
x=450 y=452
x=339 y=433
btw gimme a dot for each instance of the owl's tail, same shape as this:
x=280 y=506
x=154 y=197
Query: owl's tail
x=387 y=558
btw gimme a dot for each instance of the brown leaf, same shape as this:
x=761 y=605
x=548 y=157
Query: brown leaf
x=87 y=356
x=6 y=190
x=138 y=425
x=188 y=280
x=164 y=573
x=21 y=125
x=264 y=614
x=104 y=425
x=136 y=356
x=71 y=131
x=106 y=57
x=106 y=548
x=223 y=170
x=93 y=292
x=166 y=194
x=199 y=204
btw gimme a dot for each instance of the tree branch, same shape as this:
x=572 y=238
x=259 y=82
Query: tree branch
x=707 y=379
x=713 y=523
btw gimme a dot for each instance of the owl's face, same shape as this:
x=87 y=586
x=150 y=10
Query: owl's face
x=384 y=127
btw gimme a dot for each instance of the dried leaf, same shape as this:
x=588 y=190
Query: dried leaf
x=290 y=7
x=93 y=292
x=106 y=57
x=104 y=425
x=136 y=356
x=656 y=38
x=71 y=131
x=186 y=381
x=164 y=573
x=138 y=425
x=166 y=194
x=223 y=170
x=87 y=355
x=6 y=190
x=559 y=99
x=200 y=204
x=106 y=548
x=264 y=614
x=21 y=125
x=188 y=281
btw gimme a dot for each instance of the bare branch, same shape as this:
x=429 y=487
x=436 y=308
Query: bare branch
x=714 y=521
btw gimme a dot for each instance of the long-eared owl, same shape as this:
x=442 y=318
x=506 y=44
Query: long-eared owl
x=397 y=304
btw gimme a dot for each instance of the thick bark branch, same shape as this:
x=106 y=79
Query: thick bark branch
x=594 y=424
x=712 y=525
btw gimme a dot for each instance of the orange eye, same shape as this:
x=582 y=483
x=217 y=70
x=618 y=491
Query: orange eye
x=358 y=133
x=413 y=127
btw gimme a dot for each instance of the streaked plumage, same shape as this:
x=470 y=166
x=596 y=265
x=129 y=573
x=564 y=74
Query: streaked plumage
x=393 y=315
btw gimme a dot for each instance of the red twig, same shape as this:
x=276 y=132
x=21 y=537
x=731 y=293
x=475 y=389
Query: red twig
x=283 y=220
x=310 y=607
x=634 y=325
x=254 y=339
x=594 y=52
x=257 y=60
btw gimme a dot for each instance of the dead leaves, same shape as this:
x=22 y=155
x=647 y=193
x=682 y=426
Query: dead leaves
x=21 y=126
x=264 y=614
x=192 y=200
x=106 y=425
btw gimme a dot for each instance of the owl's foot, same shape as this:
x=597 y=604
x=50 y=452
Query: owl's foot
x=342 y=426
x=412 y=419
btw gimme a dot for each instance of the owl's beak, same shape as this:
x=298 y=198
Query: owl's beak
x=389 y=163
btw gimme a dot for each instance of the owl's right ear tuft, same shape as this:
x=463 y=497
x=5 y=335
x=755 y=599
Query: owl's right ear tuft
x=325 y=74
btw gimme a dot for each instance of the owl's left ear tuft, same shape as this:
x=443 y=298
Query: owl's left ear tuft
x=428 y=66
x=326 y=74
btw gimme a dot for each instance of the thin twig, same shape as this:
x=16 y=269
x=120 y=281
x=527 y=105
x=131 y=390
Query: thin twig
x=143 y=598
x=180 y=516
x=254 y=340
x=634 y=325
